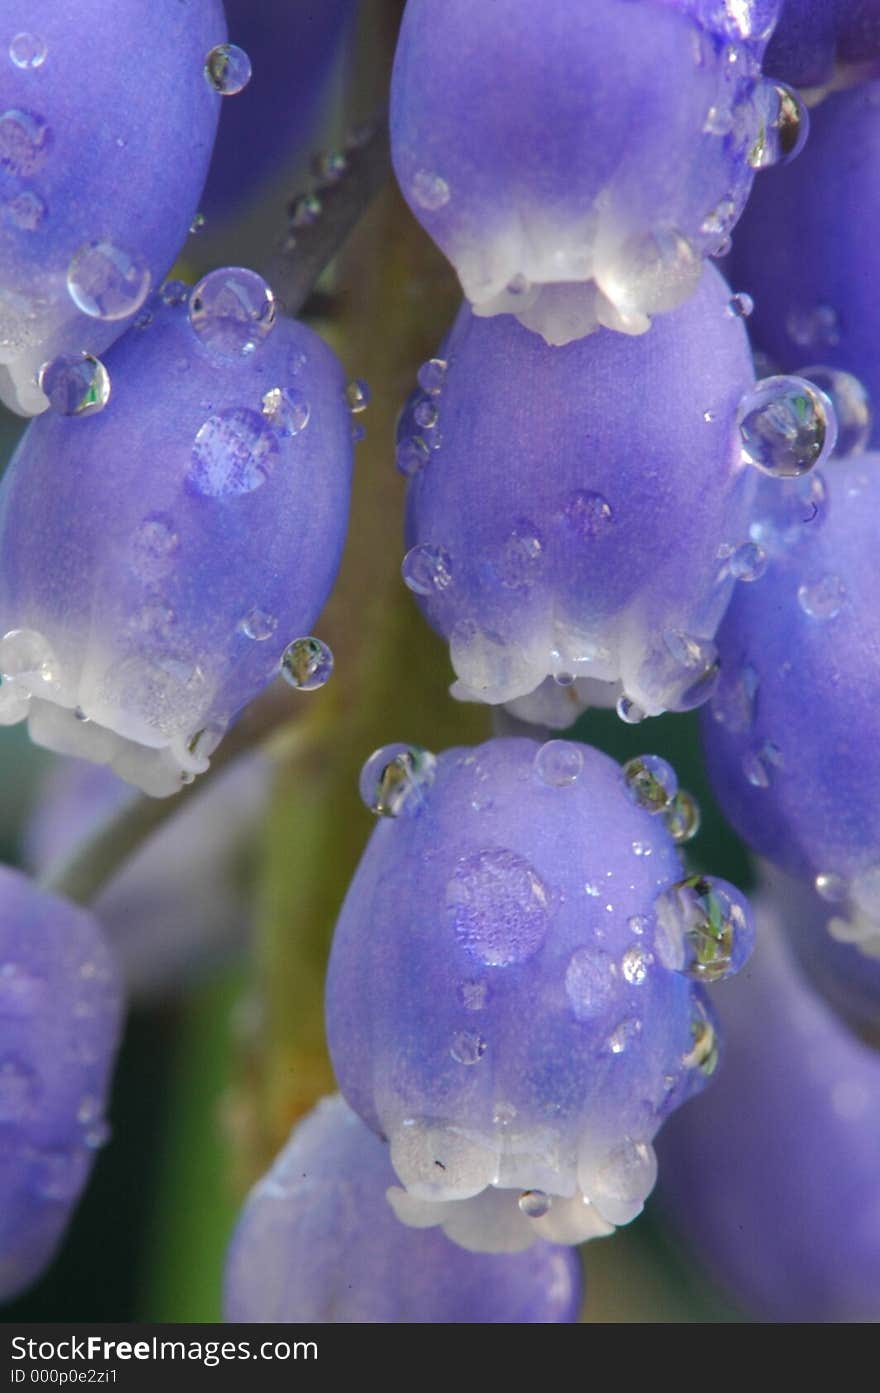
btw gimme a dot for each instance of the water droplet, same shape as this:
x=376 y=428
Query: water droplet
x=233 y=453
x=258 y=625
x=784 y=129
x=559 y=762
x=639 y=924
x=740 y=306
x=411 y=455
x=107 y=282
x=19 y=1089
x=429 y=190
x=28 y=656
x=630 y=711
x=590 y=980
x=473 y=995
x=703 y=1052
x=748 y=563
x=467 y=1048
x=650 y=782
x=426 y=414
x=534 y=1204
x=76 y=384
x=154 y=545
x=174 y=293
x=286 y=410
x=521 y=558
x=503 y=1114
x=786 y=426
x=305 y=210
x=357 y=396
x=28 y=51
x=432 y=376
x=307 y=664
x=704 y=928
x=232 y=310
x=427 y=570
x=227 y=69
x=642 y=849
x=831 y=887
x=500 y=907
x=822 y=599
x=852 y=408
x=733 y=704
x=682 y=817
x=25 y=141
x=25 y=210
x=589 y=514
x=623 y=1035
x=396 y=776
x=635 y=964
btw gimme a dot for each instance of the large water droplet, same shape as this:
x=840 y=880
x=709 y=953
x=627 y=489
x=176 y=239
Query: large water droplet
x=25 y=141
x=28 y=51
x=704 y=928
x=427 y=570
x=559 y=762
x=232 y=310
x=396 y=776
x=227 y=69
x=650 y=782
x=233 y=453
x=787 y=426
x=76 y=384
x=307 y=664
x=852 y=408
x=500 y=906
x=107 y=282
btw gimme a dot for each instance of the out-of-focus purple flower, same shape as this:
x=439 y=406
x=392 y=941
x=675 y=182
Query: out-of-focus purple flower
x=292 y=45
x=772 y=1176
x=59 y=1023
x=317 y=1240
x=569 y=181
x=810 y=264
x=159 y=556
x=579 y=514
x=513 y=995
x=788 y=733
x=107 y=120
x=179 y=904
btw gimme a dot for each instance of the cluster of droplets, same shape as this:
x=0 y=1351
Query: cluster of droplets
x=418 y=428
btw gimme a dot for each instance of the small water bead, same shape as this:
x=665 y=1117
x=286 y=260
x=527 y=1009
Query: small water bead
x=227 y=69
x=76 y=384
x=431 y=376
x=650 y=782
x=590 y=979
x=784 y=129
x=589 y=514
x=233 y=453
x=748 y=563
x=394 y=776
x=197 y=225
x=499 y=905
x=467 y=1048
x=635 y=964
x=704 y=928
x=822 y=599
x=25 y=210
x=357 y=396
x=534 y=1204
x=25 y=141
x=430 y=191
x=154 y=546
x=740 y=306
x=286 y=410
x=831 y=887
x=307 y=664
x=328 y=166
x=559 y=762
x=852 y=408
x=426 y=414
x=232 y=310
x=411 y=455
x=305 y=210
x=787 y=426
x=28 y=51
x=174 y=293
x=629 y=711
x=259 y=625
x=522 y=558
x=427 y=570
x=681 y=817
x=107 y=282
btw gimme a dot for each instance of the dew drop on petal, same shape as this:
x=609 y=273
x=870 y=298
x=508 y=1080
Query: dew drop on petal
x=25 y=141
x=307 y=664
x=28 y=51
x=629 y=711
x=232 y=310
x=559 y=763
x=411 y=455
x=635 y=964
x=107 y=282
x=286 y=410
x=234 y=453
x=822 y=599
x=534 y=1204
x=589 y=514
x=852 y=408
x=396 y=776
x=650 y=782
x=499 y=905
x=748 y=563
x=258 y=625
x=467 y=1047
x=432 y=376
x=682 y=817
x=76 y=384
x=430 y=191
x=703 y=1050
x=787 y=426
x=357 y=396
x=27 y=655
x=427 y=570
x=25 y=210
x=740 y=306
x=227 y=69
x=704 y=928
x=784 y=128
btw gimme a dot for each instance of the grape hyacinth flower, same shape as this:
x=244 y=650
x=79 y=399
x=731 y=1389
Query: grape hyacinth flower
x=569 y=181
x=580 y=514
x=817 y=306
x=771 y=1177
x=788 y=732
x=513 y=997
x=164 y=558
x=317 y=1240
x=179 y=905
x=97 y=188
x=59 y=1025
